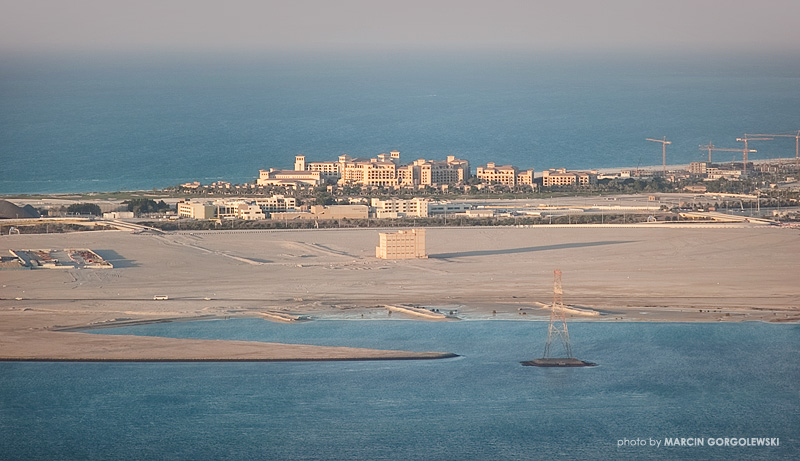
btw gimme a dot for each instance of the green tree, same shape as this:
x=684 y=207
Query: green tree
x=140 y=206
x=85 y=208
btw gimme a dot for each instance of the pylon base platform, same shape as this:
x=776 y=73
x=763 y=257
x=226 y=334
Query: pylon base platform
x=566 y=362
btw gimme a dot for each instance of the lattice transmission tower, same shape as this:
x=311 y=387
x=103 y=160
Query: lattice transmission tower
x=558 y=319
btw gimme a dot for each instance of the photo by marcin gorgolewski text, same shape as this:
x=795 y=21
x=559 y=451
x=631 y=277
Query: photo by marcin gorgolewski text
x=700 y=442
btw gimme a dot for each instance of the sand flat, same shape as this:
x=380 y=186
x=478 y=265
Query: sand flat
x=722 y=273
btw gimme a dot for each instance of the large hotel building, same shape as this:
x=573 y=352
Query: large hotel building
x=384 y=171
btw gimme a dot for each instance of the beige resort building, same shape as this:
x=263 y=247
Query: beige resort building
x=258 y=208
x=562 y=177
x=383 y=171
x=507 y=175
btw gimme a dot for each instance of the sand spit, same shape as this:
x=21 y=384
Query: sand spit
x=741 y=272
x=40 y=341
x=84 y=347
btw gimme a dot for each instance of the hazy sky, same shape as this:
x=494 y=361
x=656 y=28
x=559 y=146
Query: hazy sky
x=245 y=25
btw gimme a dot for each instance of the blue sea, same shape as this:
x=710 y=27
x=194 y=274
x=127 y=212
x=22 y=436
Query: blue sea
x=72 y=123
x=653 y=381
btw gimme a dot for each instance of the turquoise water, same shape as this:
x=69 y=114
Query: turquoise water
x=653 y=381
x=106 y=123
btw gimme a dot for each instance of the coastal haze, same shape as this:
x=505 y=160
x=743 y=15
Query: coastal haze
x=146 y=98
x=108 y=123
x=101 y=96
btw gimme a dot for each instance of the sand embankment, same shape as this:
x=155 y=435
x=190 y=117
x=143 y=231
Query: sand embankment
x=32 y=338
x=419 y=312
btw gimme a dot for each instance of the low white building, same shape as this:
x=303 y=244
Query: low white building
x=398 y=208
x=292 y=178
x=238 y=209
x=446 y=208
x=118 y=215
x=248 y=209
x=276 y=203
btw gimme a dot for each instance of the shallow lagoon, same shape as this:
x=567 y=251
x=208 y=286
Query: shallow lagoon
x=653 y=381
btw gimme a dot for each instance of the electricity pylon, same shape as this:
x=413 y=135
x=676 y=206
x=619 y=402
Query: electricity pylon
x=558 y=319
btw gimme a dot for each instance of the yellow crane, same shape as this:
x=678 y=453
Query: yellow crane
x=664 y=143
x=712 y=147
x=796 y=137
x=745 y=139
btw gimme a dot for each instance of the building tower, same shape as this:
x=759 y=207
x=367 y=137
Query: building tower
x=558 y=320
x=299 y=163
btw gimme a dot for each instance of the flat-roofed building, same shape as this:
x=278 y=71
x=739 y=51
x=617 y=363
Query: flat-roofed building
x=446 y=208
x=525 y=178
x=493 y=174
x=118 y=215
x=699 y=168
x=562 y=177
x=408 y=175
x=276 y=203
x=330 y=171
x=372 y=172
x=397 y=208
x=584 y=178
x=196 y=210
x=248 y=209
x=460 y=166
x=325 y=212
x=383 y=171
x=238 y=209
x=433 y=172
x=405 y=244
x=717 y=173
x=273 y=177
x=423 y=172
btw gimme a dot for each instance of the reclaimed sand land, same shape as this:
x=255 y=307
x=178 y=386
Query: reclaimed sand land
x=724 y=273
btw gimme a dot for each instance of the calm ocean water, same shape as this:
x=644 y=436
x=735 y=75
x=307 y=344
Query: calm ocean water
x=78 y=123
x=653 y=381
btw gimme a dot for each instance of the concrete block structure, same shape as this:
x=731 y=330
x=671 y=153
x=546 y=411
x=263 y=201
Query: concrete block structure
x=405 y=244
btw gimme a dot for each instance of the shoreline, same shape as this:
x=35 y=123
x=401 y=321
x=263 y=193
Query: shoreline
x=158 y=192
x=444 y=355
x=75 y=343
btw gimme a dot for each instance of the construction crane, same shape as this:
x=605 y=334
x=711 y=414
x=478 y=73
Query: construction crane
x=711 y=147
x=745 y=139
x=664 y=143
x=796 y=137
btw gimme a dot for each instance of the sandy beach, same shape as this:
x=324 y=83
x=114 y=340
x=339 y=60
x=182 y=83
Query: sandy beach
x=685 y=273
